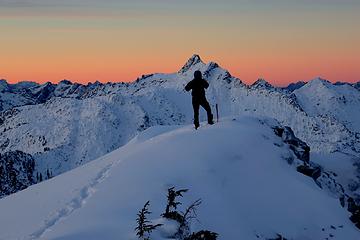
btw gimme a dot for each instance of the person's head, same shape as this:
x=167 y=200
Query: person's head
x=197 y=75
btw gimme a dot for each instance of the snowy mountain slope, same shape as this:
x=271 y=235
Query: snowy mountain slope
x=322 y=133
x=70 y=124
x=64 y=133
x=342 y=102
x=14 y=95
x=237 y=167
x=233 y=97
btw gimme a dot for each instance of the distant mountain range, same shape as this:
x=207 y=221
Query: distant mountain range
x=62 y=126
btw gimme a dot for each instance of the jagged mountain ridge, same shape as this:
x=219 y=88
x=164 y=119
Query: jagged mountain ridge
x=30 y=93
x=66 y=125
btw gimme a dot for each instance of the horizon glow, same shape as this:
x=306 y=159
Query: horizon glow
x=281 y=41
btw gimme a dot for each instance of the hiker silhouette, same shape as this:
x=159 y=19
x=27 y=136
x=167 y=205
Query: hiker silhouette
x=198 y=86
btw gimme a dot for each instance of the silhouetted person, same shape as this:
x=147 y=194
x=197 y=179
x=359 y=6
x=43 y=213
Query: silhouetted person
x=198 y=86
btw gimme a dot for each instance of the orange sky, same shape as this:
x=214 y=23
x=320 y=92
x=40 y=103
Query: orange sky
x=283 y=42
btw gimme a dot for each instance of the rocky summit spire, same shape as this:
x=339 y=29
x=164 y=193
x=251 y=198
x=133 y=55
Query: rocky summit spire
x=261 y=83
x=194 y=60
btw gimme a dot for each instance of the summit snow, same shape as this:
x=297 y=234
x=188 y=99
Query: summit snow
x=248 y=187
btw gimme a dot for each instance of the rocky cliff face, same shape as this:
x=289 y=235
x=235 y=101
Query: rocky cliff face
x=16 y=172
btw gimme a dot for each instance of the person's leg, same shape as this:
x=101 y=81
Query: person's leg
x=196 y=107
x=205 y=104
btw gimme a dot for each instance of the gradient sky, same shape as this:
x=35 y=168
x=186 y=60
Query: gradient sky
x=118 y=40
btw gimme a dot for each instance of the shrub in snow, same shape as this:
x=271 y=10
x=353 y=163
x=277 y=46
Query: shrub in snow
x=172 y=204
x=187 y=216
x=183 y=219
x=144 y=228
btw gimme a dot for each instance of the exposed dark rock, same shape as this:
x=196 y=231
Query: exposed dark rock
x=203 y=235
x=261 y=84
x=357 y=85
x=4 y=144
x=211 y=66
x=324 y=179
x=16 y=172
x=355 y=218
x=313 y=172
x=45 y=93
x=195 y=59
x=278 y=237
x=67 y=82
x=299 y=148
x=350 y=204
x=293 y=86
x=145 y=124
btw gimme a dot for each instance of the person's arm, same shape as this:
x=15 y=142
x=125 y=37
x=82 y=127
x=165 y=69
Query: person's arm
x=205 y=84
x=188 y=86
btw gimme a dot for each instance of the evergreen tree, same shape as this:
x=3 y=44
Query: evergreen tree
x=144 y=228
x=184 y=219
x=172 y=204
x=190 y=212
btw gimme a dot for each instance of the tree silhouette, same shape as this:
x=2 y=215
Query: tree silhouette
x=172 y=204
x=144 y=227
x=184 y=219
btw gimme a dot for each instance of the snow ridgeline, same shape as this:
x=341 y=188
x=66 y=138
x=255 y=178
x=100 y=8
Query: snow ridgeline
x=240 y=168
x=65 y=125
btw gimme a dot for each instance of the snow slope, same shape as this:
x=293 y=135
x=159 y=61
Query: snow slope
x=237 y=167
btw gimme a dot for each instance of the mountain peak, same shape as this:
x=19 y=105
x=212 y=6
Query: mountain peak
x=3 y=84
x=319 y=81
x=261 y=83
x=296 y=85
x=195 y=58
x=66 y=82
x=192 y=61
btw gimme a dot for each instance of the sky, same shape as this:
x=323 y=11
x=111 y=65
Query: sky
x=281 y=41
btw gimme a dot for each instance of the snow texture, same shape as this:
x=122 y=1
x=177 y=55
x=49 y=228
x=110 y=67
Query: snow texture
x=249 y=190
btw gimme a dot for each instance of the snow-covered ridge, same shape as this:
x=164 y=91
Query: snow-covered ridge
x=26 y=93
x=66 y=125
x=249 y=188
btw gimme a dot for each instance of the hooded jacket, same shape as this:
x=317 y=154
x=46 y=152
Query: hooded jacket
x=198 y=86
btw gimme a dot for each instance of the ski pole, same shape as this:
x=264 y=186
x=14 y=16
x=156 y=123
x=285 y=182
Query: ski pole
x=217 y=112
